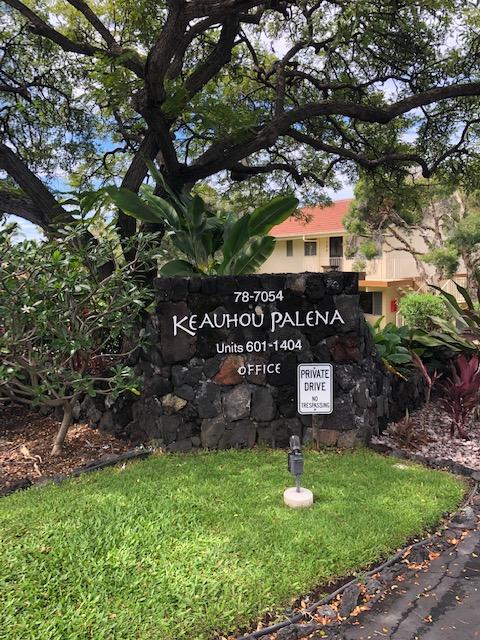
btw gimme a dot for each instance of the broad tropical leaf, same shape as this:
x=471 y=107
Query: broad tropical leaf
x=131 y=204
x=253 y=257
x=271 y=214
x=235 y=237
x=179 y=268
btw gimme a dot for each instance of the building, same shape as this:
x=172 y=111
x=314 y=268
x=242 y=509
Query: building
x=319 y=242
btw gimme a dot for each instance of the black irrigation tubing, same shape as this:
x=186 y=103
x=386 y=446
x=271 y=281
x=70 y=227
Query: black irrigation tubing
x=313 y=607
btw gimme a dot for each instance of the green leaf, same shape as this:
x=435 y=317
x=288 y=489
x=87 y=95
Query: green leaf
x=131 y=204
x=178 y=268
x=272 y=213
x=253 y=257
x=466 y=295
x=197 y=210
x=235 y=238
x=165 y=211
x=399 y=358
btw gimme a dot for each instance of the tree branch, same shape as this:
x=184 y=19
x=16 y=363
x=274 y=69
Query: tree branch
x=20 y=205
x=43 y=28
x=96 y=23
x=214 y=62
x=51 y=212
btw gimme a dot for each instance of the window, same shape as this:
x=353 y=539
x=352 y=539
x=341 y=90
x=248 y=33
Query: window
x=336 y=247
x=371 y=302
x=310 y=248
x=289 y=247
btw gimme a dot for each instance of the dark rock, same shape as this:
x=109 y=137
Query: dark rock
x=190 y=375
x=179 y=289
x=106 y=422
x=185 y=391
x=296 y=282
x=263 y=405
x=297 y=631
x=342 y=418
x=372 y=586
x=169 y=426
x=287 y=402
x=344 y=349
x=350 y=283
x=209 y=286
x=208 y=400
x=228 y=370
x=349 y=600
x=315 y=288
x=146 y=413
x=236 y=403
x=464 y=519
x=174 y=348
x=238 y=434
x=347 y=439
x=348 y=307
x=208 y=396
x=212 y=430
x=211 y=367
x=326 y=611
x=157 y=386
x=91 y=411
x=195 y=285
x=180 y=446
x=163 y=289
x=277 y=432
x=288 y=369
x=334 y=283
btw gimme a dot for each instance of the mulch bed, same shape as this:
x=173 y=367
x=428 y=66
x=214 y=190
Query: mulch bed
x=428 y=435
x=26 y=439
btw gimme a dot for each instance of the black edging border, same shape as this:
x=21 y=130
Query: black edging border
x=110 y=460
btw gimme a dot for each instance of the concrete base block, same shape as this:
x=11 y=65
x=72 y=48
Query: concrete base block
x=297 y=499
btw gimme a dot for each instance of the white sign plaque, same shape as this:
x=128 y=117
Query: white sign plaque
x=315 y=388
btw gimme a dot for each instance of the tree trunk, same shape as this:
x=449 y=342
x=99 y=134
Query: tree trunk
x=472 y=283
x=62 y=432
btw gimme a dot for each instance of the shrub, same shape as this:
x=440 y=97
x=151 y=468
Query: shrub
x=462 y=393
x=460 y=333
x=61 y=323
x=417 y=309
x=393 y=345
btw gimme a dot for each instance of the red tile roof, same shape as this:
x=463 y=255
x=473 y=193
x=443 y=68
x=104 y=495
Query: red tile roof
x=321 y=220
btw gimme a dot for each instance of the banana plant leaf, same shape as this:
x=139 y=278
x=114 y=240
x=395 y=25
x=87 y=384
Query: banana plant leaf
x=235 y=238
x=131 y=204
x=252 y=257
x=179 y=268
x=272 y=213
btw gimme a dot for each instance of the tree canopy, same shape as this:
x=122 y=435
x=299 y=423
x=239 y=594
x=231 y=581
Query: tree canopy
x=277 y=93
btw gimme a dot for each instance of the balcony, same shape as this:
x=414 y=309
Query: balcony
x=332 y=264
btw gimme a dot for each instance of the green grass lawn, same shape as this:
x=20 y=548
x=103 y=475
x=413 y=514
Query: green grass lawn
x=179 y=547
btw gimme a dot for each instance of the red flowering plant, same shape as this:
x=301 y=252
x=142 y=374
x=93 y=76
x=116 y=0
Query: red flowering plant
x=461 y=393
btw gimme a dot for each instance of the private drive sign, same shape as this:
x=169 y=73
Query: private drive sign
x=315 y=388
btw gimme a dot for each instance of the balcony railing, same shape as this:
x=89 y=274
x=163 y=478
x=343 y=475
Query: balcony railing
x=336 y=263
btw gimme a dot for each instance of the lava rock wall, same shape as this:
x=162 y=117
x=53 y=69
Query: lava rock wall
x=220 y=367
